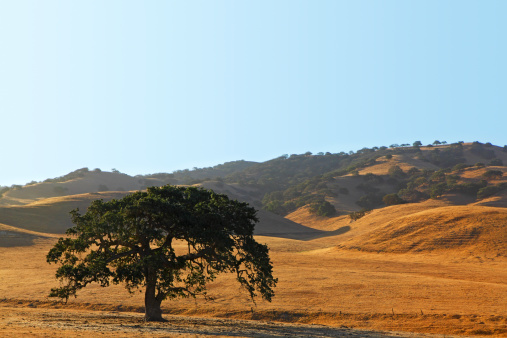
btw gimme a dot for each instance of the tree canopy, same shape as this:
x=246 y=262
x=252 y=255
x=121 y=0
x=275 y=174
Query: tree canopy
x=133 y=241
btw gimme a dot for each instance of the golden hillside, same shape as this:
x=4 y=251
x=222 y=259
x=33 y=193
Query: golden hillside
x=467 y=230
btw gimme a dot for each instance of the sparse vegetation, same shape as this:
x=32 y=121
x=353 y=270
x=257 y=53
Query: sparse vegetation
x=493 y=174
x=392 y=199
x=323 y=208
x=491 y=190
x=358 y=214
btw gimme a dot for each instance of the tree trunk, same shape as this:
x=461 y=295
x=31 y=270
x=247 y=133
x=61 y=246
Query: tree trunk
x=153 y=313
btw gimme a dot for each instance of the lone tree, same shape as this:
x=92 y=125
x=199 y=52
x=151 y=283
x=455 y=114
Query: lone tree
x=132 y=241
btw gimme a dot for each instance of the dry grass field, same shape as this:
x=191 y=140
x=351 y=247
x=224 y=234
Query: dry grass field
x=327 y=281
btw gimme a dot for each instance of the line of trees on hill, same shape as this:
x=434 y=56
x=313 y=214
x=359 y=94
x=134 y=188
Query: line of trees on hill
x=288 y=182
x=310 y=184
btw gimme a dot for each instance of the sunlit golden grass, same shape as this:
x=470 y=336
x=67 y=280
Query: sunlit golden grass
x=450 y=292
x=471 y=229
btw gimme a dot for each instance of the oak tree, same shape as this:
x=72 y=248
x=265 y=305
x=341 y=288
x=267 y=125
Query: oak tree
x=169 y=240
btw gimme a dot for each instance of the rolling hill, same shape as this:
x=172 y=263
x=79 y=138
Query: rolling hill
x=395 y=190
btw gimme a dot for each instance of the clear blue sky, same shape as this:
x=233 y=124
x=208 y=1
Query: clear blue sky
x=156 y=86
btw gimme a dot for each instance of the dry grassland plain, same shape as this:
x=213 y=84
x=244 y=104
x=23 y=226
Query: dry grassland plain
x=319 y=283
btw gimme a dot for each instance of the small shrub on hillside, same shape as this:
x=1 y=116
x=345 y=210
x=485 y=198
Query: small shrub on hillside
x=460 y=167
x=412 y=195
x=392 y=199
x=396 y=172
x=322 y=208
x=438 y=190
x=493 y=174
x=413 y=171
x=438 y=176
x=343 y=191
x=358 y=214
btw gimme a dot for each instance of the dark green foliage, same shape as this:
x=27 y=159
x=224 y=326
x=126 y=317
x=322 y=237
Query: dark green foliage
x=479 y=165
x=358 y=214
x=396 y=172
x=491 y=190
x=373 y=179
x=412 y=195
x=438 y=190
x=460 y=167
x=447 y=157
x=302 y=179
x=438 y=176
x=210 y=173
x=471 y=188
x=417 y=144
x=495 y=162
x=413 y=171
x=493 y=174
x=389 y=156
x=131 y=240
x=102 y=187
x=322 y=208
x=392 y=199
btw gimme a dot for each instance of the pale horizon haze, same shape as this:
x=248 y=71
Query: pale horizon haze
x=158 y=86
